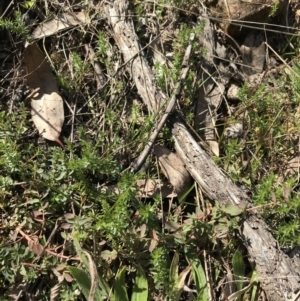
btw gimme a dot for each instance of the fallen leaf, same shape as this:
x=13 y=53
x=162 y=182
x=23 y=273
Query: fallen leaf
x=35 y=247
x=153 y=245
x=214 y=147
x=233 y=92
x=59 y=23
x=143 y=230
x=65 y=226
x=174 y=169
x=68 y=277
x=292 y=167
x=253 y=53
x=286 y=193
x=147 y=189
x=47 y=108
x=154 y=241
x=109 y=255
x=69 y=215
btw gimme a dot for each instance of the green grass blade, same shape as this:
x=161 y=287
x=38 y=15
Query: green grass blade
x=97 y=288
x=173 y=274
x=180 y=283
x=82 y=279
x=84 y=282
x=104 y=287
x=238 y=269
x=199 y=277
x=173 y=277
x=79 y=251
x=120 y=288
x=255 y=282
x=140 y=288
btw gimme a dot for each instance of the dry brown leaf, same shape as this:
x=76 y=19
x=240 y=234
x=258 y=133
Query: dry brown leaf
x=293 y=167
x=58 y=23
x=35 y=247
x=214 y=147
x=253 y=53
x=174 y=169
x=47 y=108
x=148 y=189
x=154 y=241
x=252 y=11
x=68 y=277
x=233 y=92
x=153 y=245
x=143 y=229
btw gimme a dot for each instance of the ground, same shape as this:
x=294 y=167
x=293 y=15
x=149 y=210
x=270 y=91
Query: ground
x=102 y=108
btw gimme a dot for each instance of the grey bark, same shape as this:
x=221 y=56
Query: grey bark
x=138 y=67
x=278 y=274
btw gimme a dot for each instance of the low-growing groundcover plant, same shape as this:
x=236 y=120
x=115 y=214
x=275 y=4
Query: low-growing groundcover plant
x=57 y=225
x=74 y=225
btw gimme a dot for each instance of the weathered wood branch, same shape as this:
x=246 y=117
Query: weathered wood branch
x=278 y=274
x=128 y=43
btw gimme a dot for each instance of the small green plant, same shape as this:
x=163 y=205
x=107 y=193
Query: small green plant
x=255 y=160
x=78 y=224
x=80 y=68
x=274 y=9
x=102 y=46
x=15 y=25
x=28 y=3
x=160 y=263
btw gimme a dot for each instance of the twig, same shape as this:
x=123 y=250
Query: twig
x=47 y=243
x=208 y=278
x=100 y=78
x=184 y=70
x=73 y=122
x=281 y=59
x=31 y=94
x=55 y=290
x=7 y=8
x=30 y=241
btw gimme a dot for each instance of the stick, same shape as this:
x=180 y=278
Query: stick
x=170 y=106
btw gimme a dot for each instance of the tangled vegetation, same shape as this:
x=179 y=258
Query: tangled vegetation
x=74 y=223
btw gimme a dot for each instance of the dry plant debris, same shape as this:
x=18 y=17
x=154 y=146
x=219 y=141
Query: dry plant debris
x=46 y=105
x=58 y=23
x=179 y=170
x=174 y=169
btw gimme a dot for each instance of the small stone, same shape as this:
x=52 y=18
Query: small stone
x=232 y=92
x=234 y=131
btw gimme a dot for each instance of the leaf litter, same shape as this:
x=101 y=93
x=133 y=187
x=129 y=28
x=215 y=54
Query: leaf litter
x=58 y=23
x=49 y=122
x=47 y=108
